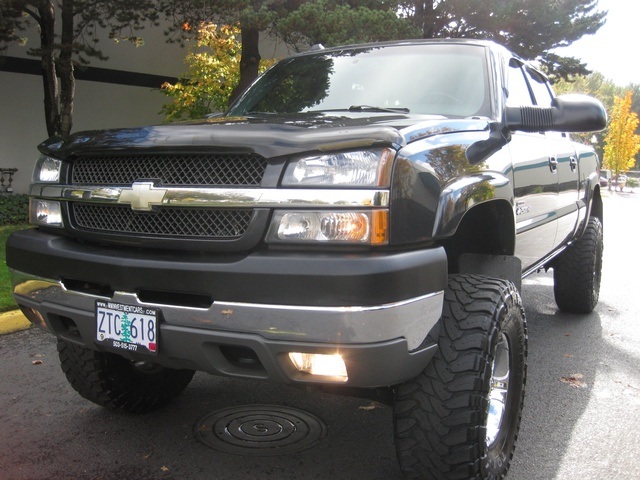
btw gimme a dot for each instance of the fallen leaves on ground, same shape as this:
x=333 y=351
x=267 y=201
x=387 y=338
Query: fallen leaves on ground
x=575 y=380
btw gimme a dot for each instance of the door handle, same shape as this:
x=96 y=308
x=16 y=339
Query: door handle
x=573 y=163
x=553 y=164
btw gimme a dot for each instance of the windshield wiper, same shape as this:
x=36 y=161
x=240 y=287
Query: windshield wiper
x=369 y=108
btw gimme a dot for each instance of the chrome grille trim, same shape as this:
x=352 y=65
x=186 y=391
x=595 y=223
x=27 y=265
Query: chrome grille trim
x=227 y=197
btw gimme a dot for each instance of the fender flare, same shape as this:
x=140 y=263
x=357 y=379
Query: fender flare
x=460 y=196
x=592 y=182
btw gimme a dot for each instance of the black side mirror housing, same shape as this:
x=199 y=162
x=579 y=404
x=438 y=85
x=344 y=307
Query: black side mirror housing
x=568 y=113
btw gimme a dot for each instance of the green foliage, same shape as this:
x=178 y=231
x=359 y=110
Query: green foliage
x=14 y=209
x=328 y=23
x=6 y=299
x=213 y=64
x=604 y=90
x=212 y=73
x=621 y=143
x=531 y=28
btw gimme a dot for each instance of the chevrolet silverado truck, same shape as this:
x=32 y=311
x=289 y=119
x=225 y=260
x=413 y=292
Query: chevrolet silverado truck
x=361 y=217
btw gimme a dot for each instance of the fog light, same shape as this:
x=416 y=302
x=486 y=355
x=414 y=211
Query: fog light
x=320 y=364
x=45 y=212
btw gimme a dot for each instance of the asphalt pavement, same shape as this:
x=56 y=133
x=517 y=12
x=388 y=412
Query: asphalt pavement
x=581 y=418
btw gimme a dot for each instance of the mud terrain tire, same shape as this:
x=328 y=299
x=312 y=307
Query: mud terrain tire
x=114 y=382
x=577 y=273
x=459 y=419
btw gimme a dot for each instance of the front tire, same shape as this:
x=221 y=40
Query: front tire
x=114 y=382
x=459 y=419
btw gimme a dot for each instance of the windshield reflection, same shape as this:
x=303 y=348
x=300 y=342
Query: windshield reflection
x=422 y=79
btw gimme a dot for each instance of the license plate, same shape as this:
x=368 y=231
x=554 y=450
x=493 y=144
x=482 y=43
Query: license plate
x=127 y=327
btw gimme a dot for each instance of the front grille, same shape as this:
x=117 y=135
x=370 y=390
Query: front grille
x=170 y=169
x=165 y=222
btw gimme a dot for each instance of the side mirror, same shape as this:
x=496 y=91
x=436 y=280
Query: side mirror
x=568 y=113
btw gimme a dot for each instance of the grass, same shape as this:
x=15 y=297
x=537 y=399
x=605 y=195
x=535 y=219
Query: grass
x=6 y=299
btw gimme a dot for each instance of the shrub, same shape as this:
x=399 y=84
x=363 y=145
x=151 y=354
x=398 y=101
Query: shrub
x=14 y=209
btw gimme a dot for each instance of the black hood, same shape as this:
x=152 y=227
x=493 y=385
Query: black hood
x=267 y=135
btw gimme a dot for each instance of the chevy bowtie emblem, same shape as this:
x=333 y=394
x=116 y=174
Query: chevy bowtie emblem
x=142 y=196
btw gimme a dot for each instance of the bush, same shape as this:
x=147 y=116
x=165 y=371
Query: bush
x=14 y=209
x=632 y=182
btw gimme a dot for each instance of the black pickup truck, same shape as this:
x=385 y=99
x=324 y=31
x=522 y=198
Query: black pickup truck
x=361 y=217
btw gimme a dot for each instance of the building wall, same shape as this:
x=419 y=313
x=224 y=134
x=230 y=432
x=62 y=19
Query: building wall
x=98 y=103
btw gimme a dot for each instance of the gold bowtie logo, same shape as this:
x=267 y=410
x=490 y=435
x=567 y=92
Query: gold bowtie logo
x=142 y=196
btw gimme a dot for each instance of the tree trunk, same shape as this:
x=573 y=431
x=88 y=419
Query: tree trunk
x=249 y=61
x=425 y=18
x=65 y=69
x=47 y=21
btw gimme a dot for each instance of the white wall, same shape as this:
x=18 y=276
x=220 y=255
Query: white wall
x=97 y=105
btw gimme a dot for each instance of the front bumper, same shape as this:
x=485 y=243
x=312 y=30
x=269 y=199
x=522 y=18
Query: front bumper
x=382 y=338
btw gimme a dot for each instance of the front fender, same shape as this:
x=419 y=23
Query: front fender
x=434 y=184
x=463 y=194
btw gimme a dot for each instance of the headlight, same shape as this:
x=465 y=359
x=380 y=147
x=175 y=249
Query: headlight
x=45 y=212
x=359 y=168
x=47 y=170
x=349 y=227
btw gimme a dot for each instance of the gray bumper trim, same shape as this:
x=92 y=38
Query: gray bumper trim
x=410 y=319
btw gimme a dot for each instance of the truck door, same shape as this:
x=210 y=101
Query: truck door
x=566 y=162
x=535 y=175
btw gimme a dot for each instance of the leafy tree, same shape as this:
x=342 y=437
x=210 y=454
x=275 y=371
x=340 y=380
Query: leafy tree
x=299 y=22
x=621 y=142
x=212 y=74
x=71 y=42
x=531 y=28
x=253 y=16
x=330 y=23
x=604 y=90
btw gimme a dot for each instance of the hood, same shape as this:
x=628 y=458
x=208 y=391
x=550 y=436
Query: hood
x=267 y=135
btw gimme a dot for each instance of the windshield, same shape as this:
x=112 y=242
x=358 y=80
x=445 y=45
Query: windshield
x=441 y=79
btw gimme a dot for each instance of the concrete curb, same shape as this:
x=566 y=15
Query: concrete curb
x=13 y=321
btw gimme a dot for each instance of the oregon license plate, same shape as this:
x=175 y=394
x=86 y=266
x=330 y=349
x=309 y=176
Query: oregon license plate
x=127 y=327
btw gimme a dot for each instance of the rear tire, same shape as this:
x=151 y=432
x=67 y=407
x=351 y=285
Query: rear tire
x=577 y=273
x=114 y=382
x=459 y=418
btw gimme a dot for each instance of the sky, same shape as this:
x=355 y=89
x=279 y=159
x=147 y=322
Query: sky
x=614 y=49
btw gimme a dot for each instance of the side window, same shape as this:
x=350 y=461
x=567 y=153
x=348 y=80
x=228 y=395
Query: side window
x=540 y=88
x=518 y=90
x=543 y=95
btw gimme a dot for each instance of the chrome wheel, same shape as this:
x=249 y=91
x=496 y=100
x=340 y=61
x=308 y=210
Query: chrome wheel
x=498 y=389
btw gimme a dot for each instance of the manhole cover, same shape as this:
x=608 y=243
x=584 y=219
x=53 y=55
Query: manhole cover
x=261 y=430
